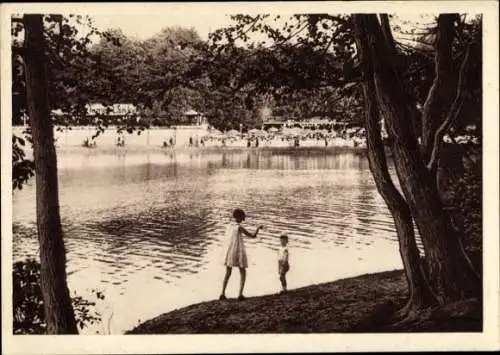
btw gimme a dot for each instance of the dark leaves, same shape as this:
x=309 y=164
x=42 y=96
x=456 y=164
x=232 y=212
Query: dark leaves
x=28 y=311
x=22 y=169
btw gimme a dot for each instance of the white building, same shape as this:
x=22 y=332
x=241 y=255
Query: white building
x=119 y=109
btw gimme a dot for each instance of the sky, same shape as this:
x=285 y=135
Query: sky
x=144 y=20
x=145 y=26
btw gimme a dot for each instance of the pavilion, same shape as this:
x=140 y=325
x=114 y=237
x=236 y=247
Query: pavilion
x=195 y=118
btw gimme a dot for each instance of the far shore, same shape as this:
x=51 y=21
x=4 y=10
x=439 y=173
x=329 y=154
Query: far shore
x=168 y=139
x=362 y=304
x=148 y=149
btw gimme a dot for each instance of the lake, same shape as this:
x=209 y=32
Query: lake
x=147 y=228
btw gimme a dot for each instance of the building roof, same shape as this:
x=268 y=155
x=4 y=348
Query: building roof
x=112 y=110
x=191 y=113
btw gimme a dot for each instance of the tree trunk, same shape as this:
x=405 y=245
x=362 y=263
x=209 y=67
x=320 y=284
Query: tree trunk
x=59 y=314
x=399 y=63
x=420 y=294
x=450 y=275
x=441 y=93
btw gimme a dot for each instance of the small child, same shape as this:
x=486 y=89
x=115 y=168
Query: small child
x=283 y=264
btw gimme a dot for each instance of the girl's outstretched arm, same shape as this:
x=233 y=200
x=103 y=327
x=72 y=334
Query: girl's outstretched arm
x=248 y=234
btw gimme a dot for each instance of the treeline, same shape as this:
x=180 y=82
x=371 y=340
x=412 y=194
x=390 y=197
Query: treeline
x=174 y=71
x=163 y=76
x=150 y=74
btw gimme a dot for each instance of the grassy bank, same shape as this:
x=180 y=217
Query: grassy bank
x=365 y=303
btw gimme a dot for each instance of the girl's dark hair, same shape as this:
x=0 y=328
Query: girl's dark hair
x=284 y=236
x=239 y=214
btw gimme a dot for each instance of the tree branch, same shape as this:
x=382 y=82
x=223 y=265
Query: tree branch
x=289 y=37
x=251 y=27
x=20 y=51
x=54 y=55
x=338 y=19
x=424 y=51
x=17 y=20
x=452 y=114
x=440 y=95
x=59 y=40
x=386 y=30
x=325 y=50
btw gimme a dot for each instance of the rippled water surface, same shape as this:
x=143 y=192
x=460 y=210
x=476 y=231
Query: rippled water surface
x=147 y=228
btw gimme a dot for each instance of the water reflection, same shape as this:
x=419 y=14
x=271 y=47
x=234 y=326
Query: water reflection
x=143 y=225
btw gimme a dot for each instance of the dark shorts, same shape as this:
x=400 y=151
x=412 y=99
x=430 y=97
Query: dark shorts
x=283 y=268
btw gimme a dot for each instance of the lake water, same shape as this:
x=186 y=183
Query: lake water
x=147 y=229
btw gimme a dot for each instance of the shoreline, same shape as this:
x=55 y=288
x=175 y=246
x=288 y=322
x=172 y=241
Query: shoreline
x=360 y=304
x=154 y=139
x=144 y=149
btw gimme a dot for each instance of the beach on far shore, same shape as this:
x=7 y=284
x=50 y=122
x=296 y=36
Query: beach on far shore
x=157 y=139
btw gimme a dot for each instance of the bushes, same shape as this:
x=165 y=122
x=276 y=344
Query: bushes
x=462 y=194
x=28 y=312
x=466 y=196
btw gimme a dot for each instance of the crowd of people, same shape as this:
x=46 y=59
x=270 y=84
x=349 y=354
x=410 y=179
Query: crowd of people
x=254 y=139
x=276 y=140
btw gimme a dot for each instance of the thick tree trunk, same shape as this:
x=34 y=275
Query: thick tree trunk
x=450 y=275
x=59 y=314
x=420 y=294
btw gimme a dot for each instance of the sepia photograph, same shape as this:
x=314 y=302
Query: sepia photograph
x=318 y=170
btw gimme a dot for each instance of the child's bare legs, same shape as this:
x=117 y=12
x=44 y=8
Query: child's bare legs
x=282 y=270
x=283 y=279
x=224 y=283
x=243 y=274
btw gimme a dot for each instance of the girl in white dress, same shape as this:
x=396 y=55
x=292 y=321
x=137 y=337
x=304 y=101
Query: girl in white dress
x=236 y=255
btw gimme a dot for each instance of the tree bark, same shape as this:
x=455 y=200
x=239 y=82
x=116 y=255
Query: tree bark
x=420 y=294
x=399 y=63
x=441 y=94
x=59 y=313
x=451 y=117
x=450 y=275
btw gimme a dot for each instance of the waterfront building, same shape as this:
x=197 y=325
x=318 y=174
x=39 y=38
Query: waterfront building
x=190 y=133
x=309 y=123
x=118 y=110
